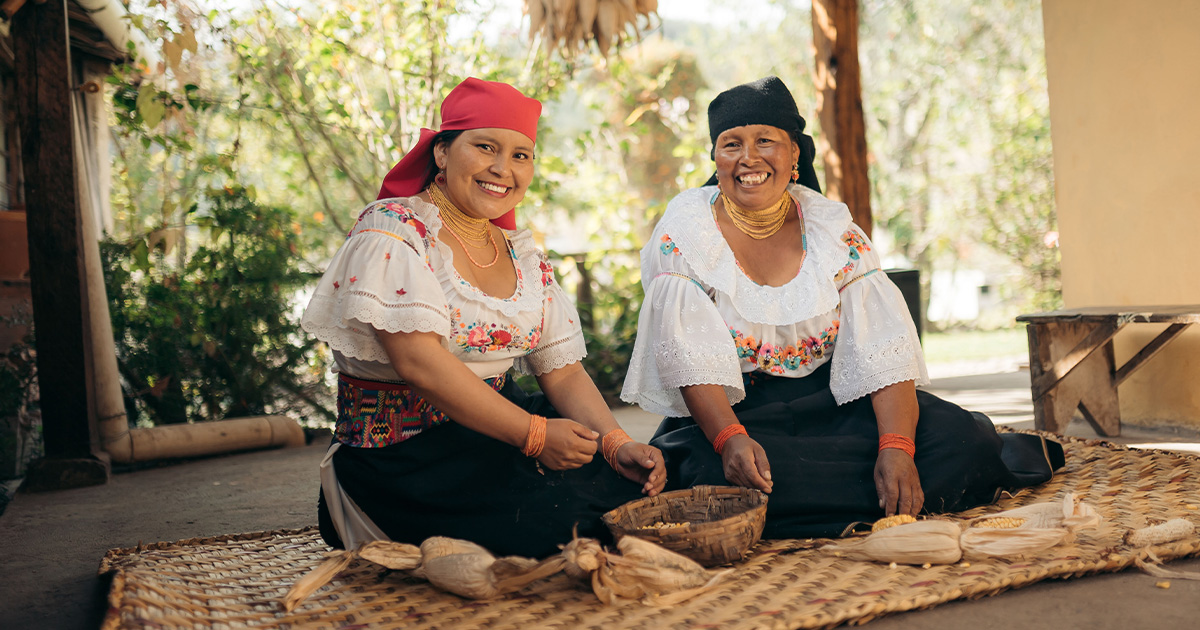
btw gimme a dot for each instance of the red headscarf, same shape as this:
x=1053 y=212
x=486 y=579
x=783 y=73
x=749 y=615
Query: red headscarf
x=473 y=104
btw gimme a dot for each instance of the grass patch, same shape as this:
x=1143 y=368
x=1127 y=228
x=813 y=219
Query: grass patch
x=972 y=345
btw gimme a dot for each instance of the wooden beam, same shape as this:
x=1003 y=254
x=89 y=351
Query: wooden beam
x=60 y=316
x=1098 y=336
x=843 y=140
x=1150 y=350
x=10 y=8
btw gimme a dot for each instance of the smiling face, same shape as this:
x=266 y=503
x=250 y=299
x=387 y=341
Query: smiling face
x=754 y=164
x=487 y=170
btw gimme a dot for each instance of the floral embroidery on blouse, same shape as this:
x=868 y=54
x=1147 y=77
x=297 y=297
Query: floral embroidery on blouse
x=403 y=215
x=397 y=212
x=668 y=246
x=482 y=337
x=778 y=359
x=547 y=273
x=857 y=246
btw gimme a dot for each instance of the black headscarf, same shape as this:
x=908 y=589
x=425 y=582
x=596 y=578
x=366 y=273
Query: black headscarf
x=766 y=101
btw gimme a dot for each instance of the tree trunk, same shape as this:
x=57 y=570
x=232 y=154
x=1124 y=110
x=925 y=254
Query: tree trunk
x=843 y=140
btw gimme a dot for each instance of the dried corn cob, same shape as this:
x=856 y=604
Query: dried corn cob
x=892 y=521
x=934 y=542
x=1001 y=522
x=1169 y=531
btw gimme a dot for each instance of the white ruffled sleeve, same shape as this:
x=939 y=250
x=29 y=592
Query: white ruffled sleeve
x=561 y=340
x=877 y=341
x=380 y=279
x=681 y=339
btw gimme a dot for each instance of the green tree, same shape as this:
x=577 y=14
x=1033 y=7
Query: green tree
x=958 y=119
x=217 y=337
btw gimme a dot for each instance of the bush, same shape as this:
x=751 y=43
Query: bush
x=217 y=337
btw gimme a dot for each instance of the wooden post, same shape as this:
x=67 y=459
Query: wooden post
x=843 y=140
x=41 y=44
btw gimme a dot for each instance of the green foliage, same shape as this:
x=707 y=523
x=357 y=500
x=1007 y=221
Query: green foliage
x=609 y=298
x=975 y=345
x=18 y=368
x=1020 y=220
x=335 y=94
x=20 y=420
x=957 y=114
x=217 y=337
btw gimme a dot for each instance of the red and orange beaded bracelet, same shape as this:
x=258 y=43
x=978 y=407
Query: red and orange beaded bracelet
x=895 y=440
x=611 y=443
x=535 y=440
x=725 y=434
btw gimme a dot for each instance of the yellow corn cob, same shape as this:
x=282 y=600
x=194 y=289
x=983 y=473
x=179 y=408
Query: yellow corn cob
x=1003 y=522
x=1171 y=530
x=892 y=521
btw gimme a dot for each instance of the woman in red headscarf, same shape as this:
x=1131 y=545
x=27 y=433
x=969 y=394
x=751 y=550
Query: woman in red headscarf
x=429 y=302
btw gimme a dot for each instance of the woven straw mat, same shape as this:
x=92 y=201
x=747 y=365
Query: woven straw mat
x=236 y=581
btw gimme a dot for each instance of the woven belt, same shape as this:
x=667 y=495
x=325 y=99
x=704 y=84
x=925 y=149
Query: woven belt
x=372 y=414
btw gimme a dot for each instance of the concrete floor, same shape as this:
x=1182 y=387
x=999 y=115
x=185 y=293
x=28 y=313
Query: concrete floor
x=51 y=543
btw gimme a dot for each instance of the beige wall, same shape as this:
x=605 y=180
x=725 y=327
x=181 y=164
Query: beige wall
x=1124 y=80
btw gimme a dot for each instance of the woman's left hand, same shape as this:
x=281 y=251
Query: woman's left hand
x=644 y=464
x=898 y=483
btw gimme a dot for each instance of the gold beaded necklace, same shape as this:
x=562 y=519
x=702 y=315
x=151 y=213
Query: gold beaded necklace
x=473 y=230
x=761 y=224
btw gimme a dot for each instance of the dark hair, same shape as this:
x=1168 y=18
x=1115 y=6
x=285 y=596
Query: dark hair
x=446 y=137
x=442 y=137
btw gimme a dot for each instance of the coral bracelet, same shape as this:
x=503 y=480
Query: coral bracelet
x=725 y=434
x=895 y=440
x=611 y=443
x=535 y=440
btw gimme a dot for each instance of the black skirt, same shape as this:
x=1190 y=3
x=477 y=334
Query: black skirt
x=451 y=481
x=822 y=455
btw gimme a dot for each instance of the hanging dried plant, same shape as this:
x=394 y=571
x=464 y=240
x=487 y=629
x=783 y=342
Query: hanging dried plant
x=570 y=26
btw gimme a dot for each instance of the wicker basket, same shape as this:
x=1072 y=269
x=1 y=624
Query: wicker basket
x=709 y=524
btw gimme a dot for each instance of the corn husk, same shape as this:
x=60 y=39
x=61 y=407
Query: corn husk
x=396 y=556
x=922 y=542
x=642 y=570
x=571 y=26
x=1045 y=525
x=1151 y=564
x=389 y=554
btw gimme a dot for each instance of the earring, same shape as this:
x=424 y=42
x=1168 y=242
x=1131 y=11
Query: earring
x=440 y=178
x=796 y=172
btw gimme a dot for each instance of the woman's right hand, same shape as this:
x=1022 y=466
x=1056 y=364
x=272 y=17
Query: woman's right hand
x=745 y=463
x=568 y=444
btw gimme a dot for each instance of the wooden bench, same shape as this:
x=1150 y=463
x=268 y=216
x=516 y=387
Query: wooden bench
x=1071 y=360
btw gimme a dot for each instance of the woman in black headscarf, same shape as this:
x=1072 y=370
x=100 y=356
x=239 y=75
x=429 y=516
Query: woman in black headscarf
x=786 y=360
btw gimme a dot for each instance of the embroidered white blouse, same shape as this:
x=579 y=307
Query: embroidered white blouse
x=394 y=273
x=703 y=321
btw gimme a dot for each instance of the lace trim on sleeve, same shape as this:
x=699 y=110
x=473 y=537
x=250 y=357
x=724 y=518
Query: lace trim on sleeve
x=681 y=341
x=360 y=343
x=874 y=367
x=552 y=356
